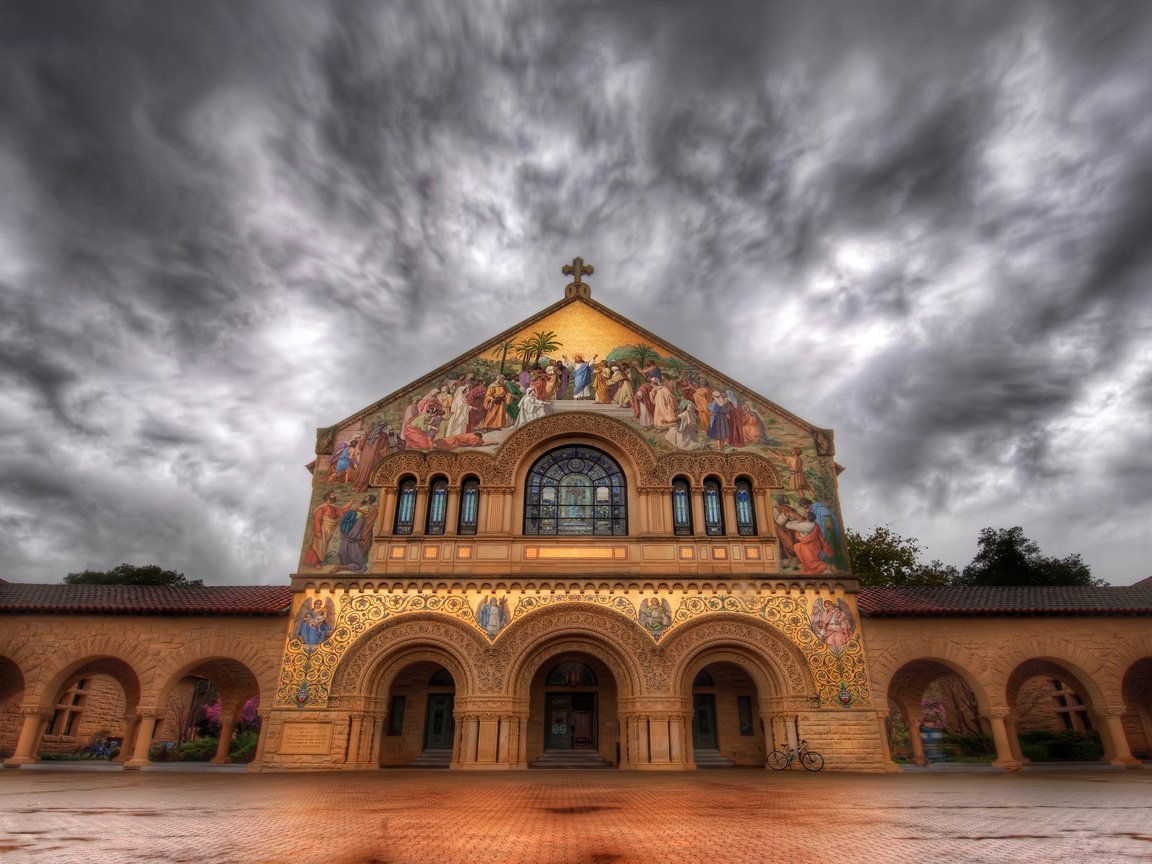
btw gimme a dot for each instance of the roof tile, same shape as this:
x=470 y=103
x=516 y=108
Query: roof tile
x=1038 y=600
x=144 y=599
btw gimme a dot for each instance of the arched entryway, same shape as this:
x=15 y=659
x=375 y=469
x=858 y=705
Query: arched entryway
x=726 y=725
x=208 y=711
x=420 y=730
x=1137 y=692
x=931 y=700
x=1054 y=714
x=11 y=693
x=572 y=714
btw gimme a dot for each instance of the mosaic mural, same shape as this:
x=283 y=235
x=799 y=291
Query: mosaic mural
x=575 y=359
x=825 y=633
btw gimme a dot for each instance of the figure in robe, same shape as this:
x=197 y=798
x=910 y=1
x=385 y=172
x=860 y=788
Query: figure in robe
x=797 y=479
x=324 y=521
x=539 y=383
x=564 y=379
x=642 y=405
x=663 y=406
x=496 y=400
x=782 y=514
x=476 y=405
x=702 y=397
x=458 y=409
x=719 y=427
x=833 y=624
x=356 y=535
x=735 y=421
x=420 y=431
x=620 y=388
x=655 y=615
x=380 y=442
x=315 y=622
x=685 y=434
x=531 y=408
x=581 y=375
x=551 y=383
x=754 y=432
x=823 y=515
x=810 y=547
x=344 y=460
x=600 y=379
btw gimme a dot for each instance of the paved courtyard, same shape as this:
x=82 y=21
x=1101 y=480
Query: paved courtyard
x=576 y=817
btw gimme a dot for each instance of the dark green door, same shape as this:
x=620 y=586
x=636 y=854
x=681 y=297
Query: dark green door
x=438 y=729
x=704 y=721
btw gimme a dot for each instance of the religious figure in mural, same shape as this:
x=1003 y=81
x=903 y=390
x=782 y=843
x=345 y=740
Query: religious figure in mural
x=345 y=458
x=324 y=521
x=381 y=440
x=797 y=479
x=496 y=400
x=492 y=615
x=833 y=623
x=315 y=622
x=823 y=515
x=655 y=615
x=684 y=435
x=355 y=529
x=530 y=408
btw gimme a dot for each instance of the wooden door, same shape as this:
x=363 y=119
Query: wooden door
x=439 y=727
x=704 y=721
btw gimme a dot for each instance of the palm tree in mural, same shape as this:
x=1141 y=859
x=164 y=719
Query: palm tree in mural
x=504 y=348
x=523 y=350
x=643 y=354
x=544 y=342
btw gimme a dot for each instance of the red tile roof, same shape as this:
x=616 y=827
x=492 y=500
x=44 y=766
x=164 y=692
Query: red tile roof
x=1046 y=600
x=144 y=599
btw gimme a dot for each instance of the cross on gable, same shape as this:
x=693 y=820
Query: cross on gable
x=577 y=269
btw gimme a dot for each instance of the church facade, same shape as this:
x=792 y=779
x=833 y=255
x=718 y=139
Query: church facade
x=573 y=545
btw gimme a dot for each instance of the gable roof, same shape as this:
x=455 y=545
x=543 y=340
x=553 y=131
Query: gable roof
x=439 y=372
x=1007 y=601
x=25 y=598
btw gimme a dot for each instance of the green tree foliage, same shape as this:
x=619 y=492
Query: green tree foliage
x=130 y=574
x=1006 y=557
x=885 y=559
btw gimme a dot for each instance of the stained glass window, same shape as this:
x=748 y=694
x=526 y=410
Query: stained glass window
x=405 y=506
x=469 y=506
x=713 y=508
x=437 y=506
x=575 y=490
x=681 y=507
x=745 y=514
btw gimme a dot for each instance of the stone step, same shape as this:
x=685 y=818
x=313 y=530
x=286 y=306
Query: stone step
x=570 y=759
x=712 y=759
x=432 y=759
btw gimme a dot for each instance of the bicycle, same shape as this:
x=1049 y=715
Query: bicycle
x=778 y=760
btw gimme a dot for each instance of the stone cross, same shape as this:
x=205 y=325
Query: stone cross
x=576 y=269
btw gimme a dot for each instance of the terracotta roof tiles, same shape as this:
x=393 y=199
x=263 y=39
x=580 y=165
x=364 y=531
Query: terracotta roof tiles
x=1040 y=600
x=62 y=599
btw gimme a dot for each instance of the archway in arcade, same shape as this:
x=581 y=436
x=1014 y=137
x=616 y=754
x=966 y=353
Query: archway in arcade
x=1052 y=716
x=1137 y=692
x=210 y=714
x=573 y=713
x=11 y=694
x=420 y=730
x=929 y=702
x=93 y=712
x=726 y=726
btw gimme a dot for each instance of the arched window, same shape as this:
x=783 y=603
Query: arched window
x=437 y=506
x=405 y=506
x=575 y=490
x=745 y=510
x=713 y=508
x=681 y=507
x=469 y=506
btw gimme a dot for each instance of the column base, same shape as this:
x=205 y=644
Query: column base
x=253 y=767
x=17 y=761
x=892 y=768
x=1126 y=761
x=1008 y=765
x=136 y=764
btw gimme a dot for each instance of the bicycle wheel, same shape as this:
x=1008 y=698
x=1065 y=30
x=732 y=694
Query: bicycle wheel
x=812 y=761
x=777 y=761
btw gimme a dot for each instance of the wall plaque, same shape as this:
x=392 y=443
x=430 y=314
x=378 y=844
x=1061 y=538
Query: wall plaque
x=306 y=739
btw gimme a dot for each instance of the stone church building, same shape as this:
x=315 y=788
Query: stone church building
x=575 y=544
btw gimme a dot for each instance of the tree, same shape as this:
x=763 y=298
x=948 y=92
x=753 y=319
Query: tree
x=544 y=342
x=130 y=574
x=1006 y=557
x=504 y=348
x=643 y=354
x=884 y=559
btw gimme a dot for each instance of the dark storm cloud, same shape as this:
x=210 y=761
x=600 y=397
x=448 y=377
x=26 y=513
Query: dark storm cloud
x=921 y=224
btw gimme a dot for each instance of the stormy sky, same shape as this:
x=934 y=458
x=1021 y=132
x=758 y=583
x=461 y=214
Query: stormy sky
x=926 y=225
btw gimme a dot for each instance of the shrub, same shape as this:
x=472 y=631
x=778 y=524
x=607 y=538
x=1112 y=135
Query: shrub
x=198 y=750
x=1066 y=746
x=243 y=746
x=970 y=746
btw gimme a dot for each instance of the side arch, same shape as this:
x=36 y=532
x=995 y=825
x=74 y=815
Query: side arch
x=367 y=662
x=214 y=649
x=955 y=658
x=1088 y=667
x=124 y=659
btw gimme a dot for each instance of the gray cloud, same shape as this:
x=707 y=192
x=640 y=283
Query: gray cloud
x=924 y=226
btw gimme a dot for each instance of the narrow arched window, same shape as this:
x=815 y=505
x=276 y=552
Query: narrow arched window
x=575 y=490
x=681 y=507
x=469 y=506
x=713 y=508
x=437 y=506
x=745 y=511
x=405 y=506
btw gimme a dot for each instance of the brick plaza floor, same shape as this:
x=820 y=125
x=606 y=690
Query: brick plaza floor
x=574 y=817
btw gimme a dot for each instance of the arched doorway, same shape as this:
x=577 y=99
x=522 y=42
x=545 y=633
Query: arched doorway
x=420 y=730
x=1137 y=690
x=209 y=713
x=1053 y=714
x=572 y=713
x=11 y=692
x=726 y=727
x=929 y=701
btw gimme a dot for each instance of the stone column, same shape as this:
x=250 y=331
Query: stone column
x=35 y=722
x=913 y=712
x=227 y=727
x=728 y=495
x=131 y=725
x=452 y=516
x=698 y=510
x=1145 y=722
x=1000 y=737
x=1116 y=749
x=149 y=717
x=355 y=728
x=387 y=518
x=257 y=763
x=890 y=767
x=420 y=517
x=1014 y=740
